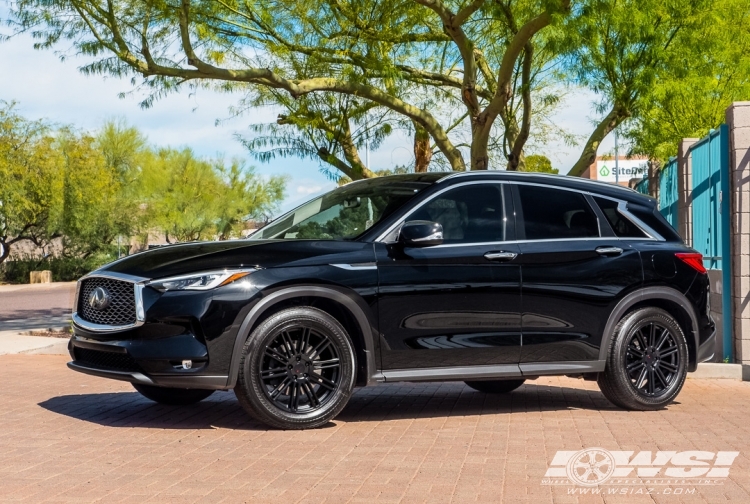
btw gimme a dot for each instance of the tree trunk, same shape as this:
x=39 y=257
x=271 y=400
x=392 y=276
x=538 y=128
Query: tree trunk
x=4 y=251
x=604 y=128
x=422 y=150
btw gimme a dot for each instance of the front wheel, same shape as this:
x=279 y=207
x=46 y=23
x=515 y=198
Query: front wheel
x=172 y=396
x=495 y=386
x=647 y=361
x=296 y=370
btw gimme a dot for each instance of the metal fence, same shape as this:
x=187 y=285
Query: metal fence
x=668 y=191
x=711 y=224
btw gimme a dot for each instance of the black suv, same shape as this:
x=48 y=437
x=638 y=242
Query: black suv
x=489 y=278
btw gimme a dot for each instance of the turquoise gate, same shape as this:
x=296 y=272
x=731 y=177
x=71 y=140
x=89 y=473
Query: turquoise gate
x=711 y=224
x=668 y=191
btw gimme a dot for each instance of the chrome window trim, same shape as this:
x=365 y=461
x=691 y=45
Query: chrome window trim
x=140 y=314
x=622 y=208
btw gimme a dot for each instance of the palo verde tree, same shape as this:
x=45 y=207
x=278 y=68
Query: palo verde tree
x=30 y=182
x=618 y=49
x=690 y=95
x=389 y=53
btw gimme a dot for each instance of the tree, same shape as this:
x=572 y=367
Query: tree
x=190 y=199
x=390 y=54
x=539 y=163
x=691 y=94
x=31 y=183
x=617 y=48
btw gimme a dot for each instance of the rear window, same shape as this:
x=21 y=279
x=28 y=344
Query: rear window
x=622 y=227
x=550 y=214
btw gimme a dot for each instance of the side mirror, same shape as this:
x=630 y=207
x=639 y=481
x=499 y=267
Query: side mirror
x=421 y=234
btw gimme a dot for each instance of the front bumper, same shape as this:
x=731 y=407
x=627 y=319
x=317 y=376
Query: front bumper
x=151 y=362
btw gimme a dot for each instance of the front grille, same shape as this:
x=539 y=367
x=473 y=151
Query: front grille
x=105 y=360
x=121 y=309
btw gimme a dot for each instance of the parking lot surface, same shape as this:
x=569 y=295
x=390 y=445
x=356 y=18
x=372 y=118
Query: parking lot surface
x=68 y=437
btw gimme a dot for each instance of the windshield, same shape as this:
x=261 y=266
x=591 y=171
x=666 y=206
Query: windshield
x=344 y=213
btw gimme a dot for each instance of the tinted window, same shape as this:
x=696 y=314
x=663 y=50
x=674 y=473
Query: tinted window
x=554 y=214
x=620 y=225
x=343 y=213
x=469 y=214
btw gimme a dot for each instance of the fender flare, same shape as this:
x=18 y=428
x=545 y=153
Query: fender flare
x=332 y=293
x=644 y=294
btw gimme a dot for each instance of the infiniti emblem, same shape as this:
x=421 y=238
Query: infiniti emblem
x=99 y=298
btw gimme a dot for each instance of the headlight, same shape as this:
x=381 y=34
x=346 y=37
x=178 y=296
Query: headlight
x=199 y=281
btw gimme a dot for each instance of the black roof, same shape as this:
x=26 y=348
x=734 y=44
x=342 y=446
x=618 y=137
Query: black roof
x=603 y=188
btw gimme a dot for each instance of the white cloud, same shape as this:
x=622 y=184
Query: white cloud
x=308 y=189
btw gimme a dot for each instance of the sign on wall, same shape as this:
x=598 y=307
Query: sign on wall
x=628 y=169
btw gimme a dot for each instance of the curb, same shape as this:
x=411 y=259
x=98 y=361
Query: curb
x=718 y=371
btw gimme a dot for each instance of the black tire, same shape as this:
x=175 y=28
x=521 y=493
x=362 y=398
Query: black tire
x=172 y=396
x=495 y=386
x=646 y=361
x=296 y=369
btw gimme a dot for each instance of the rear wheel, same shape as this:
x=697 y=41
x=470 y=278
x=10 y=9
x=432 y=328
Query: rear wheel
x=647 y=361
x=172 y=396
x=296 y=369
x=495 y=386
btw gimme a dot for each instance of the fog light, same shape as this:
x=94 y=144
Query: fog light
x=187 y=364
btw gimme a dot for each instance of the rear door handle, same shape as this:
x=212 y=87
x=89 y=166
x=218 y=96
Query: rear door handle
x=500 y=256
x=609 y=251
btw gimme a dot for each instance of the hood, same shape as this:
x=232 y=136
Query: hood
x=194 y=257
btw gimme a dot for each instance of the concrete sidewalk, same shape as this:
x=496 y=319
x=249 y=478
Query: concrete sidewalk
x=11 y=342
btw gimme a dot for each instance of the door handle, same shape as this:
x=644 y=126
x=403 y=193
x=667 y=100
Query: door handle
x=609 y=251
x=500 y=256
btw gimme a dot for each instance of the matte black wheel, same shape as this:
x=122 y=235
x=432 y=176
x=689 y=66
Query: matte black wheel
x=647 y=361
x=296 y=370
x=172 y=396
x=495 y=386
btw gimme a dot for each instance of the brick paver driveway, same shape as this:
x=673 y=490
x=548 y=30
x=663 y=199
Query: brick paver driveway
x=67 y=437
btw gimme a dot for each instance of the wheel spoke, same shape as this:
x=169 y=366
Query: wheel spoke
x=294 y=397
x=661 y=377
x=326 y=364
x=320 y=347
x=305 y=339
x=269 y=374
x=636 y=352
x=635 y=366
x=277 y=390
x=650 y=384
x=669 y=351
x=310 y=393
x=672 y=368
x=641 y=378
x=652 y=335
x=288 y=343
x=662 y=339
x=639 y=337
x=275 y=355
x=322 y=381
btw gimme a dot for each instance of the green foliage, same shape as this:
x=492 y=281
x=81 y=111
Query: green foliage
x=540 y=164
x=31 y=182
x=74 y=193
x=689 y=96
x=189 y=198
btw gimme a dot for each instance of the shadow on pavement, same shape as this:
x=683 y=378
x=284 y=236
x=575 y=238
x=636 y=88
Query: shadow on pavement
x=379 y=403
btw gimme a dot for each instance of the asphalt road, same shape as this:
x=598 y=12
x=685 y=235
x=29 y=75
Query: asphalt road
x=38 y=306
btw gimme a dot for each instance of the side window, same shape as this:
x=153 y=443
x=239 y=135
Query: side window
x=550 y=213
x=620 y=225
x=468 y=214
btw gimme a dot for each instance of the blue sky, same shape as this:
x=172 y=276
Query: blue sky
x=47 y=88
